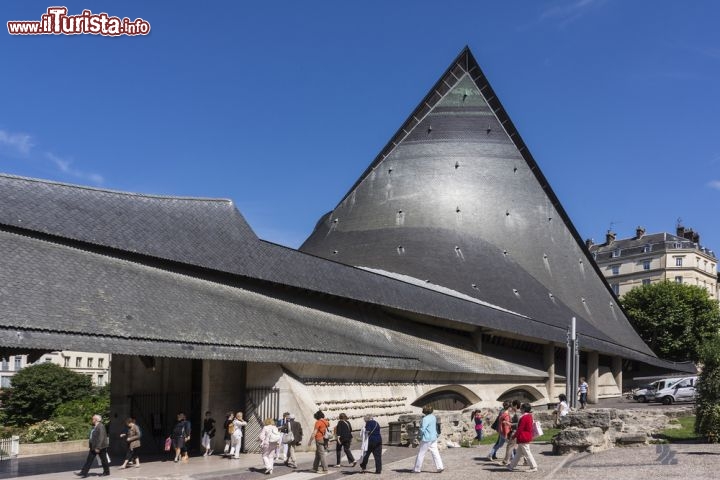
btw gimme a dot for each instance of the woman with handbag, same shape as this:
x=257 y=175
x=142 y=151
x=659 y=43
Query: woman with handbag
x=343 y=431
x=269 y=439
x=132 y=437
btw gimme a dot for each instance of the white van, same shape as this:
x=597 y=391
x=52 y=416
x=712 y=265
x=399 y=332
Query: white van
x=647 y=393
x=681 y=391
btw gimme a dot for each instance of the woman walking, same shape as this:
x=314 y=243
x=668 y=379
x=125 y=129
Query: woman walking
x=318 y=436
x=343 y=431
x=132 y=437
x=372 y=430
x=428 y=441
x=524 y=435
x=478 y=420
x=229 y=428
x=208 y=433
x=238 y=423
x=180 y=437
x=269 y=440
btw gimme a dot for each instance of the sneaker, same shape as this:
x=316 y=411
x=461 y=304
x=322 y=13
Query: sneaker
x=532 y=470
x=210 y=453
x=354 y=464
x=440 y=470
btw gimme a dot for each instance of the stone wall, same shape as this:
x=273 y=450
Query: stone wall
x=599 y=429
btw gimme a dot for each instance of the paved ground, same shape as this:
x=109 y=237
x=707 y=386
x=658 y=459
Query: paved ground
x=678 y=461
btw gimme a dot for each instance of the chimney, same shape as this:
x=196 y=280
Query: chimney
x=639 y=232
x=589 y=243
x=609 y=237
x=680 y=231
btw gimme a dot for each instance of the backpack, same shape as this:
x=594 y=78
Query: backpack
x=274 y=436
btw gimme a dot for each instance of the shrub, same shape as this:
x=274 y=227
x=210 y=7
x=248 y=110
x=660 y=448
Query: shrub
x=707 y=422
x=45 y=431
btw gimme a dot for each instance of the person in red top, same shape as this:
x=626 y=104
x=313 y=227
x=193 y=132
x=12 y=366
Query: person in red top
x=318 y=436
x=524 y=435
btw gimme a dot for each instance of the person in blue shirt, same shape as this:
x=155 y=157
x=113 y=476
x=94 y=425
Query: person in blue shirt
x=428 y=441
x=372 y=430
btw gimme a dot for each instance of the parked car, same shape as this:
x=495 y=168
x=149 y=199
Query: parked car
x=647 y=393
x=681 y=391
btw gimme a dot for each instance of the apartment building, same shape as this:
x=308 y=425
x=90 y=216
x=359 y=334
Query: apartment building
x=94 y=365
x=648 y=258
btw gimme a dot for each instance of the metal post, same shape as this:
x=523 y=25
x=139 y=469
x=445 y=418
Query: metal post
x=572 y=365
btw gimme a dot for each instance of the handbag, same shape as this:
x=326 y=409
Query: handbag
x=168 y=444
x=537 y=429
x=274 y=436
x=288 y=437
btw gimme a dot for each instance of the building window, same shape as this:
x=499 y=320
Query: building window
x=48 y=359
x=78 y=362
x=646 y=264
x=101 y=363
x=90 y=362
x=5 y=382
x=615 y=288
x=678 y=261
x=615 y=269
x=18 y=362
x=5 y=365
x=615 y=253
x=647 y=248
x=101 y=380
x=678 y=279
x=677 y=245
x=646 y=281
x=66 y=362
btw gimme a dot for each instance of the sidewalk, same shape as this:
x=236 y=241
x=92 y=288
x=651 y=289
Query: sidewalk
x=696 y=461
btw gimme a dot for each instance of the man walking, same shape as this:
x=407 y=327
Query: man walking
x=583 y=391
x=99 y=444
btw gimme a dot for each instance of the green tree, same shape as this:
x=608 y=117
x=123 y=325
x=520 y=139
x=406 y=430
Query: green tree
x=674 y=319
x=38 y=390
x=707 y=419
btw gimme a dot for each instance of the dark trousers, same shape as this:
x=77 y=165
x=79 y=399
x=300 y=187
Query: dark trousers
x=131 y=455
x=91 y=456
x=375 y=448
x=344 y=445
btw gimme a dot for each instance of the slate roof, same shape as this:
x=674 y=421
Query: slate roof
x=118 y=269
x=456 y=198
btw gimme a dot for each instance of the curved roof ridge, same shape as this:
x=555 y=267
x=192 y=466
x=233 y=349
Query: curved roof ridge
x=112 y=191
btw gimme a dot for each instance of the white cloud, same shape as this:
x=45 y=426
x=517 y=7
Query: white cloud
x=714 y=184
x=65 y=167
x=567 y=13
x=20 y=142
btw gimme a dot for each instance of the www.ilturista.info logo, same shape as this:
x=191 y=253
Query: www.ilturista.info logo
x=57 y=22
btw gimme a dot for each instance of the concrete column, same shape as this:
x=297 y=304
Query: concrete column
x=549 y=365
x=593 y=376
x=205 y=388
x=617 y=373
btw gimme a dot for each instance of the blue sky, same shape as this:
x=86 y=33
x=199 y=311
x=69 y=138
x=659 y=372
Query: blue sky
x=281 y=105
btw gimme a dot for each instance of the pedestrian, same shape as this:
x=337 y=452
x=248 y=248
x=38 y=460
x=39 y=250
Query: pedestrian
x=228 y=427
x=502 y=424
x=583 y=391
x=364 y=436
x=98 y=444
x=321 y=443
x=296 y=429
x=372 y=429
x=269 y=440
x=237 y=425
x=511 y=444
x=428 y=441
x=477 y=418
x=208 y=433
x=524 y=436
x=561 y=409
x=132 y=437
x=343 y=431
x=281 y=453
x=180 y=436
